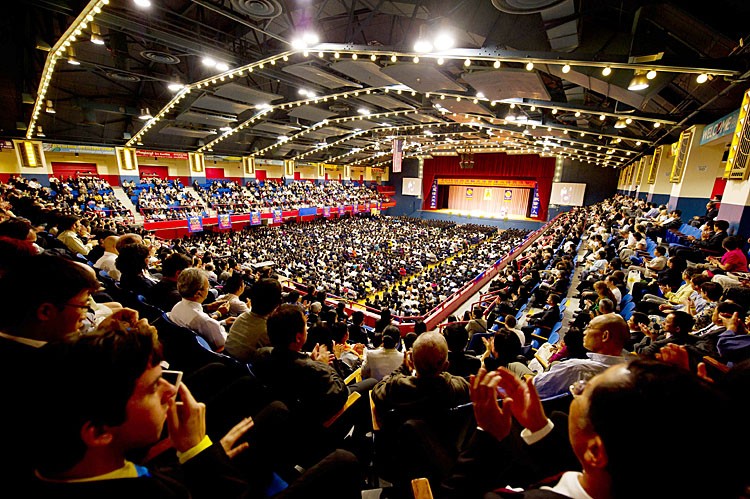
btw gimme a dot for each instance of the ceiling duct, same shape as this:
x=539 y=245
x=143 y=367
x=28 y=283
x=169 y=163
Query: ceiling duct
x=258 y=9
x=558 y=16
x=525 y=6
x=160 y=57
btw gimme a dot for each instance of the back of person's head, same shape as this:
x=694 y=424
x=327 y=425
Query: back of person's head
x=339 y=332
x=190 y=282
x=430 y=354
x=126 y=239
x=94 y=378
x=682 y=320
x=316 y=307
x=574 y=343
x=17 y=228
x=265 y=296
x=391 y=337
x=732 y=243
x=729 y=308
x=606 y=306
x=555 y=298
x=292 y=297
x=456 y=336
x=712 y=290
x=174 y=264
x=358 y=317
x=690 y=459
x=409 y=339
x=506 y=345
x=66 y=222
x=640 y=318
x=510 y=321
x=131 y=259
x=477 y=312
x=618 y=333
x=233 y=284
x=284 y=323
x=420 y=327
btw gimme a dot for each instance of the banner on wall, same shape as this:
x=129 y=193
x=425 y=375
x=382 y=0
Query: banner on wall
x=469 y=192
x=145 y=153
x=195 y=224
x=398 y=154
x=535 y=202
x=486 y=182
x=255 y=218
x=78 y=149
x=488 y=194
x=355 y=209
x=434 y=195
x=342 y=210
x=720 y=127
x=8 y=144
x=225 y=221
x=508 y=196
x=277 y=218
x=326 y=212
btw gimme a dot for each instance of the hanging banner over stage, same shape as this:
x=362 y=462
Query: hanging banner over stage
x=277 y=218
x=255 y=218
x=225 y=221
x=398 y=154
x=486 y=182
x=195 y=224
x=535 y=202
x=508 y=196
x=326 y=212
x=434 y=195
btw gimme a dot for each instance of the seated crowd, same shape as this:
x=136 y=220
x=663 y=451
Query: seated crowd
x=282 y=405
x=226 y=196
x=157 y=199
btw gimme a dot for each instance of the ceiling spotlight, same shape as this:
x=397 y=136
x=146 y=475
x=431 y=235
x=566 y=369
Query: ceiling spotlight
x=223 y=66
x=566 y=69
x=702 y=78
x=529 y=66
x=282 y=138
x=336 y=55
x=602 y=117
x=628 y=121
x=638 y=143
x=657 y=124
x=532 y=108
x=554 y=111
x=416 y=60
x=496 y=65
x=225 y=129
x=50 y=108
x=363 y=110
x=607 y=71
x=209 y=61
x=467 y=62
x=394 y=58
x=354 y=57
x=651 y=74
x=440 y=61
x=578 y=114
x=144 y=4
x=444 y=41
x=422 y=46
x=373 y=58
x=639 y=82
x=175 y=86
x=620 y=123
x=145 y=114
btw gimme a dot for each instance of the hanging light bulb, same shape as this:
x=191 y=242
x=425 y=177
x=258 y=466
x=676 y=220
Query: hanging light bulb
x=566 y=69
x=607 y=71
x=702 y=78
x=529 y=66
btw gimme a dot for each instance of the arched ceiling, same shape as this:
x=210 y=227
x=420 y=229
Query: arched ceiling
x=275 y=100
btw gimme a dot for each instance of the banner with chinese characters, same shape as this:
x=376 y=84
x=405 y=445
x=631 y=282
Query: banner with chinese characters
x=225 y=221
x=195 y=224
x=326 y=212
x=398 y=154
x=535 y=203
x=434 y=195
x=277 y=218
x=486 y=182
x=255 y=218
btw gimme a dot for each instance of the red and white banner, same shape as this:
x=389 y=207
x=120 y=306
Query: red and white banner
x=398 y=154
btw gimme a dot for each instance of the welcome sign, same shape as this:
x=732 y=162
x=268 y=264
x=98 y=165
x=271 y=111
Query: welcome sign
x=720 y=128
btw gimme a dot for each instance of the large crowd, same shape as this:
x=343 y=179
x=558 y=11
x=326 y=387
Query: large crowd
x=157 y=199
x=287 y=395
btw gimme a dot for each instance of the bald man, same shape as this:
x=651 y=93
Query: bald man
x=430 y=388
x=107 y=260
x=605 y=338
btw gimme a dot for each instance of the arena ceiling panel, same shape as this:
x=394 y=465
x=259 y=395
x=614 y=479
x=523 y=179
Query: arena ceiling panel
x=200 y=66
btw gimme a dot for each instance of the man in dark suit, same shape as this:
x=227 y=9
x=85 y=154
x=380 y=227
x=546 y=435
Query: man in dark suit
x=700 y=248
x=546 y=319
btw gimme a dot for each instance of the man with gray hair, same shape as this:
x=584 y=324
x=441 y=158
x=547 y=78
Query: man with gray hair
x=193 y=286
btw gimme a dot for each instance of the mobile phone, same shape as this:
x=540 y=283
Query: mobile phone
x=174 y=378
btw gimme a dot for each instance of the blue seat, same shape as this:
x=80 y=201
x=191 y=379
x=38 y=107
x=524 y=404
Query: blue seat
x=627 y=310
x=476 y=344
x=627 y=298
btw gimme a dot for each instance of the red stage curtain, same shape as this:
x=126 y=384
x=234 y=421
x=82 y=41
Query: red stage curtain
x=495 y=166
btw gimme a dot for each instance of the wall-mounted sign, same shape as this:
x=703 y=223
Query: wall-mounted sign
x=145 y=153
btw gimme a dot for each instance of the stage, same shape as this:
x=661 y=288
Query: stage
x=483 y=214
x=480 y=218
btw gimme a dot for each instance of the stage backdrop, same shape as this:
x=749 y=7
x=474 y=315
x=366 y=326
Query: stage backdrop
x=496 y=166
x=493 y=200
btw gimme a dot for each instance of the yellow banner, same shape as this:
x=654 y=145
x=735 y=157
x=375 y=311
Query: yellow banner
x=486 y=182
